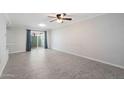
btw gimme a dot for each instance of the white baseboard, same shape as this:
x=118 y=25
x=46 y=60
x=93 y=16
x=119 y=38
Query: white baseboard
x=3 y=64
x=16 y=52
x=94 y=59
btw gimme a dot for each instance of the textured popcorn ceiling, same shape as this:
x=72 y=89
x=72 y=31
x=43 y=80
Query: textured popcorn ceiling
x=31 y=20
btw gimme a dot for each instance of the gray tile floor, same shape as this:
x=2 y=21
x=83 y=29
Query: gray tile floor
x=51 y=64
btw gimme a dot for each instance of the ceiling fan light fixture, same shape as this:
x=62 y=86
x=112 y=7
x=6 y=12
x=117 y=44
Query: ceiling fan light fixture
x=59 y=20
x=62 y=15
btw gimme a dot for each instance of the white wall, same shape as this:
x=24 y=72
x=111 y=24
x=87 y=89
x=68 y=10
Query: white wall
x=100 y=38
x=16 y=39
x=49 y=38
x=3 y=49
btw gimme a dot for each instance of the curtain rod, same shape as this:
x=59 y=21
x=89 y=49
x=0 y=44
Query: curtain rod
x=36 y=30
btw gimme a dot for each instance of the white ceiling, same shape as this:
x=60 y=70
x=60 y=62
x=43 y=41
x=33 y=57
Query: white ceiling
x=31 y=20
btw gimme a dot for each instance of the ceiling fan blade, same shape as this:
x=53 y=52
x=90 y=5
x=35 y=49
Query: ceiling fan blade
x=52 y=16
x=67 y=19
x=53 y=20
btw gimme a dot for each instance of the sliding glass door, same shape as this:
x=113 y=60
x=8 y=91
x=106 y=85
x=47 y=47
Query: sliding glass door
x=37 y=39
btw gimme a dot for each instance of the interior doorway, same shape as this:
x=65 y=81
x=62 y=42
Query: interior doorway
x=37 y=39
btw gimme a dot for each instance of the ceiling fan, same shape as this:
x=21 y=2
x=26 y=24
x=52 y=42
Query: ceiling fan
x=60 y=18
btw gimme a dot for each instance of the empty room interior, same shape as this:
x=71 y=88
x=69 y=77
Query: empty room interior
x=61 y=46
